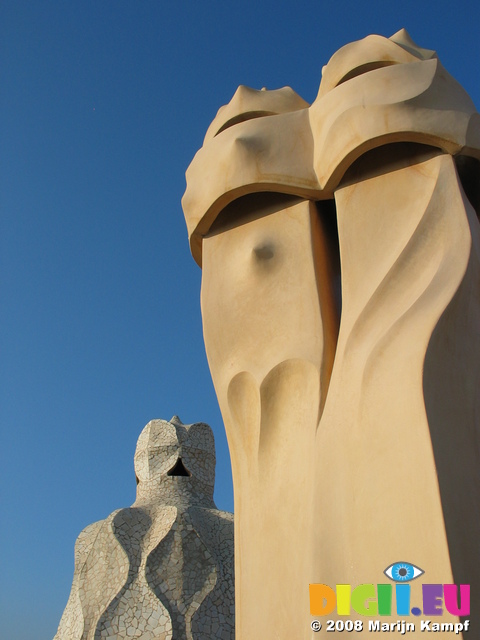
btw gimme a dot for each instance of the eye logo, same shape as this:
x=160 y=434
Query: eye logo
x=403 y=571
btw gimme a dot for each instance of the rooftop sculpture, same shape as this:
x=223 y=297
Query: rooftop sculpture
x=162 y=568
x=340 y=249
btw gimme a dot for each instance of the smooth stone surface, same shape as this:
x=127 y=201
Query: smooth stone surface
x=343 y=334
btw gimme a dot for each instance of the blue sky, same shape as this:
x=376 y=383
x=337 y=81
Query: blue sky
x=103 y=105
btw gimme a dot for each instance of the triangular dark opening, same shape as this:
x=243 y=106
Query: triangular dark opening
x=179 y=469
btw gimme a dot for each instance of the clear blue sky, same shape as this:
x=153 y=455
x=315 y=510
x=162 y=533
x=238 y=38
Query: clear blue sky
x=103 y=105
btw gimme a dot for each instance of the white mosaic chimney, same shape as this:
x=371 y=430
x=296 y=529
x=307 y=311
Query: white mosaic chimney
x=163 y=568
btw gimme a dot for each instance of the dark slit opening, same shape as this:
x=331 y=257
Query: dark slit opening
x=469 y=174
x=179 y=469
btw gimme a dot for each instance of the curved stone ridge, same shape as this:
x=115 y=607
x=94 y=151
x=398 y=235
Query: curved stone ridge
x=373 y=92
x=163 y=568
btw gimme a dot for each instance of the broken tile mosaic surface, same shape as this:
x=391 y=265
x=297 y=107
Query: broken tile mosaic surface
x=163 y=568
